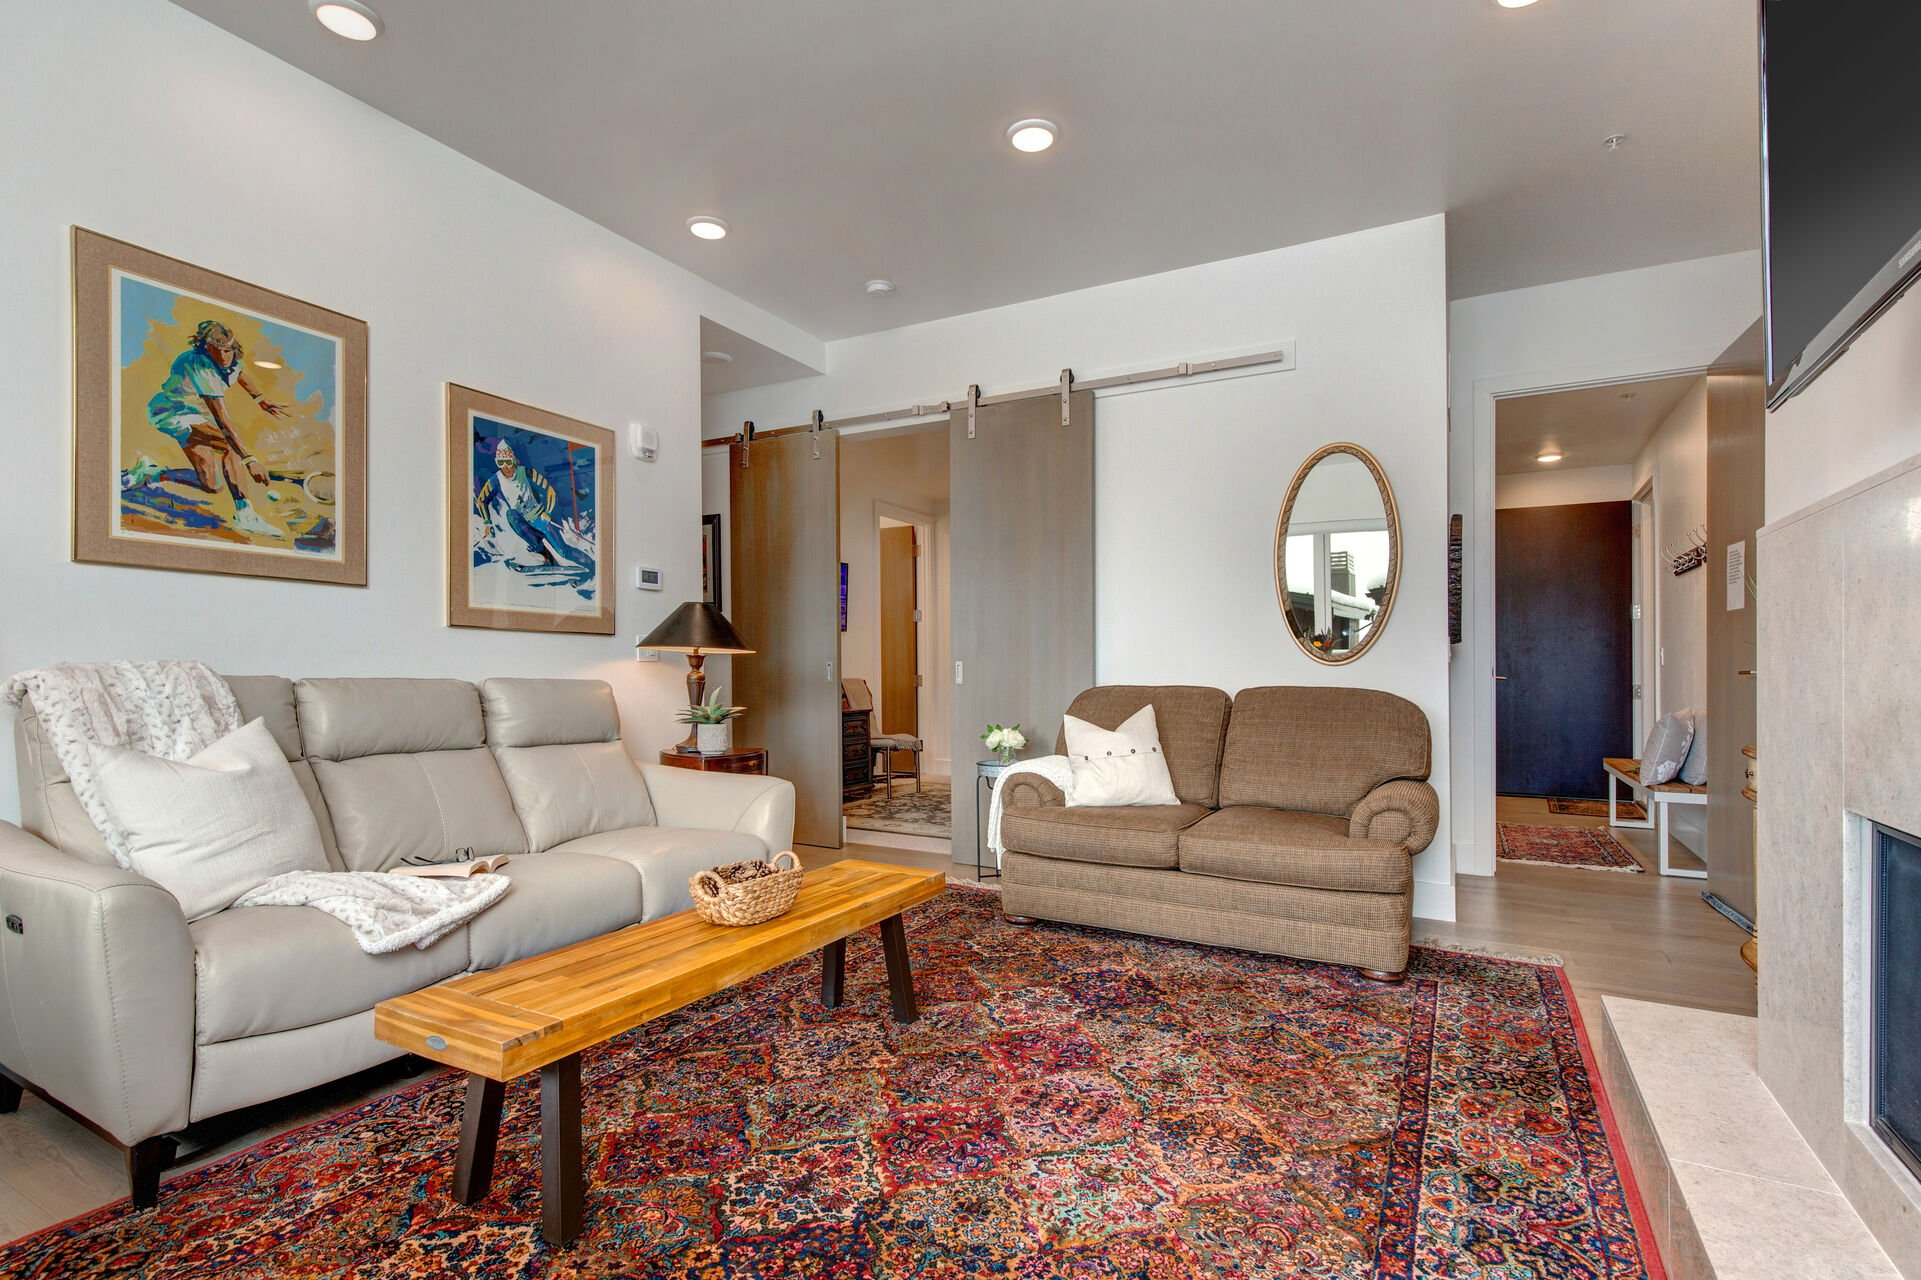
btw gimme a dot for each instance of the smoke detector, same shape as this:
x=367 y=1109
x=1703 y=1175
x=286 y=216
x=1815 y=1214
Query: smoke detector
x=880 y=288
x=715 y=357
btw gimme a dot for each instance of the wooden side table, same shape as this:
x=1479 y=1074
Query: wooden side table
x=739 y=760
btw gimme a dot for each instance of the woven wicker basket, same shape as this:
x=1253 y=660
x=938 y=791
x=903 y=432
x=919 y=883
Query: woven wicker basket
x=746 y=892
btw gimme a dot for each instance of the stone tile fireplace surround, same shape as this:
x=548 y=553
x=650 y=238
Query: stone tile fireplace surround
x=1839 y=587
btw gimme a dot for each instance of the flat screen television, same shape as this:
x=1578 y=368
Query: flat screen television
x=1842 y=128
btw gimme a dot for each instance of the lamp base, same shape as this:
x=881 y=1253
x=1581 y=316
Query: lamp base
x=696 y=694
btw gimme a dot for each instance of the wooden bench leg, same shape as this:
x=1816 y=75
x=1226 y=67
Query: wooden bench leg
x=479 y=1138
x=900 y=973
x=833 y=972
x=563 y=1174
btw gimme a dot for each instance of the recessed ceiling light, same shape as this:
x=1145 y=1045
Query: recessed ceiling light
x=1514 y=4
x=880 y=288
x=715 y=357
x=266 y=364
x=1552 y=455
x=348 y=19
x=707 y=228
x=1033 y=135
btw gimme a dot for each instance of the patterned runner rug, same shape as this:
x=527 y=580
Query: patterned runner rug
x=1072 y=1103
x=1629 y=810
x=928 y=814
x=1590 y=848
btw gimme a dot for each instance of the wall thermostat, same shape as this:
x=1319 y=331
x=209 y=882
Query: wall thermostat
x=648 y=579
x=644 y=442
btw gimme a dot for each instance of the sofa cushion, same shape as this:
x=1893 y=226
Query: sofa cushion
x=262 y=969
x=1192 y=722
x=540 y=713
x=1309 y=850
x=667 y=858
x=557 y=898
x=424 y=805
x=568 y=790
x=346 y=719
x=1319 y=750
x=1135 y=836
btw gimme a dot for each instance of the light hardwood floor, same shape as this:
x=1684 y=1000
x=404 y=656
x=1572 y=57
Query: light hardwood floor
x=1618 y=933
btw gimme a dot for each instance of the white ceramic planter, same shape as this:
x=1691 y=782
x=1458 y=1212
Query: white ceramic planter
x=714 y=739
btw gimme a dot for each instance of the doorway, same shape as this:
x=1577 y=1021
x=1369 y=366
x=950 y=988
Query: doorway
x=895 y=542
x=1592 y=639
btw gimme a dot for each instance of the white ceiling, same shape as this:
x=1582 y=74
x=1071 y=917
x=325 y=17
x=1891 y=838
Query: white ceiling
x=1594 y=427
x=849 y=139
x=753 y=364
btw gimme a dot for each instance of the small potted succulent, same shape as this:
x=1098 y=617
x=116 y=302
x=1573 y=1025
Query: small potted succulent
x=1004 y=741
x=713 y=724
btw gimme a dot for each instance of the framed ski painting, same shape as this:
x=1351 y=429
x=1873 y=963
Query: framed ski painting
x=530 y=518
x=219 y=427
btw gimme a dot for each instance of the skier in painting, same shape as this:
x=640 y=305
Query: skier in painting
x=527 y=501
x=191 y=408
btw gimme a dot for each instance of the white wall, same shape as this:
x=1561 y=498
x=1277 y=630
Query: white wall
x=1189 y=476
x=259 y=171
x=1676 y=459
x=1845 y=427
x=1550 y=488
x=1629 y=325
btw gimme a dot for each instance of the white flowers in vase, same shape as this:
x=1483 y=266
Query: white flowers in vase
x=1004 y=741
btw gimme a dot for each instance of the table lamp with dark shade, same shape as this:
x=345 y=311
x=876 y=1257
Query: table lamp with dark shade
x=695 y=629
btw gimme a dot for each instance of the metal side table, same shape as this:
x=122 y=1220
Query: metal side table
x=988 y=772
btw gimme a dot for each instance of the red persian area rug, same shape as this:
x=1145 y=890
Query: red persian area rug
x=1590 y=848
x=1072 y=1103
x=1626 y=810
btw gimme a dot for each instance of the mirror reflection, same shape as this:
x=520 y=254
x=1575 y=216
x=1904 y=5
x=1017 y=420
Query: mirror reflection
x=1337 y=554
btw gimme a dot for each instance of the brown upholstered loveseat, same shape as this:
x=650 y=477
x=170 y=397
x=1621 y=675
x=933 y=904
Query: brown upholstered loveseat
x=1301 y=810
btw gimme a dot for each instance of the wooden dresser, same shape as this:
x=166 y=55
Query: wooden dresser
x=856 y=755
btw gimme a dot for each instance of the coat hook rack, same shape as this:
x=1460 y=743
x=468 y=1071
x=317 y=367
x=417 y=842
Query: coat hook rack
x=1687 y=554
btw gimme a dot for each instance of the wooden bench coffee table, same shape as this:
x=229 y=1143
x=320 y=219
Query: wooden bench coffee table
x=541 y=1012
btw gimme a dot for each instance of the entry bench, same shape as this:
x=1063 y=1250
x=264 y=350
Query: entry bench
x=1659 y=797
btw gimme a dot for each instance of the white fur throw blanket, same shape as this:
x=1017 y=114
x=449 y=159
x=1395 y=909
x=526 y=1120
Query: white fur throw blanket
x=1054 y=768
x=386 y=912
x=173 y=708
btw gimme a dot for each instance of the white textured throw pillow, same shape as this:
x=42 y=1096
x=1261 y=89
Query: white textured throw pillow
x=1694 y=769
x=1121 y=766
x=209 y=828
x=1667 y=747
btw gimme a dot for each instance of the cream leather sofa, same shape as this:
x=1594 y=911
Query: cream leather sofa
x=119 y=1011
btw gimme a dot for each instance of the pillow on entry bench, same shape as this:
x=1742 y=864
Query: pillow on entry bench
x=1667 y=748
x=1121 y=766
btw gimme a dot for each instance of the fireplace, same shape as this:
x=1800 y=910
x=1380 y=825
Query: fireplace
x=1895 y=1065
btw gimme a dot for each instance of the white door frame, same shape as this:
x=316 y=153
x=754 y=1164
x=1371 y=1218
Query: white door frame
x=1647 y=589
x=1474 y=835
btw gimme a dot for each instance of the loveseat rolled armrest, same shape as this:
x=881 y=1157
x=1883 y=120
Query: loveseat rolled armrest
x=1031 y=788
x=759 y=806
x=96 y=970
x=1404 y=811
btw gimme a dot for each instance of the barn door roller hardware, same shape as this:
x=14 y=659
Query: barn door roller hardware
x=745 y=439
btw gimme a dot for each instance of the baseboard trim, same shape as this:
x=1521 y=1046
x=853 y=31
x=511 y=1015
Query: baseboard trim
x=1433 y=901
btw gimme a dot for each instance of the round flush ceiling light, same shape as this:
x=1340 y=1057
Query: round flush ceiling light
x=880 y=288
x=1514 y=4
x=1551 y=455
x=1033 y=135
x=707 y=228
x=348 y=19
x=715 y=357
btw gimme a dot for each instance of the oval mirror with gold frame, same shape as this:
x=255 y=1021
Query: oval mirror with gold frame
x=1337 y=554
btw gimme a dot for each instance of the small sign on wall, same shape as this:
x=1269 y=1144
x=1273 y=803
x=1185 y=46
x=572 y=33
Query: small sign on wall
x=1737 y=575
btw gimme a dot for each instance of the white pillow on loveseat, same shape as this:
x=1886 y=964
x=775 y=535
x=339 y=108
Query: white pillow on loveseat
x=209 y=828
x=1121 y=766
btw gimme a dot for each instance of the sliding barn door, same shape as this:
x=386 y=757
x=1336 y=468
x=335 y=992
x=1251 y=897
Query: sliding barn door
x=1022 y=495
x=785 y=494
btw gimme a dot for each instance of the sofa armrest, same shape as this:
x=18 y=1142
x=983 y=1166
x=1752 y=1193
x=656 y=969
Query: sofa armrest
x=96 y=988
x=1404 y=811
x=1031 y=788
x=750 y=803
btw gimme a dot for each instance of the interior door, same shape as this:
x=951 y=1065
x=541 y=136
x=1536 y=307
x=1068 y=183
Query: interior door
x=785 y=493
x=899 y=631
x=1563 y=646
x=1022 y=595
